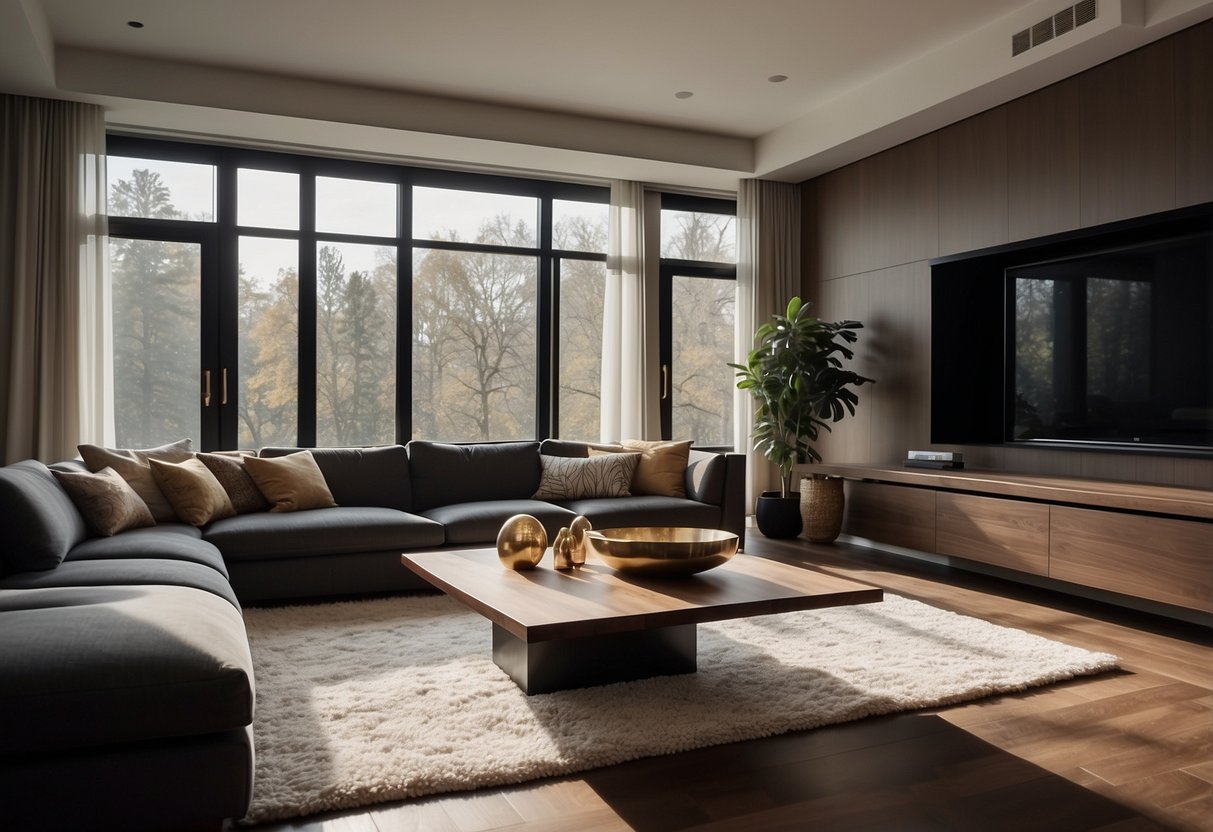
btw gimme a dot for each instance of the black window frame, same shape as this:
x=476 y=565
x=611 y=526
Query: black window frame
x=220 y=284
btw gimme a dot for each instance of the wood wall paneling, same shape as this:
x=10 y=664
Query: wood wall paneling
x=838 y=212
x=849 y=297
x=1194 y=115
x=1159 y=558
x=1128 y=135
x=1007 y=533
x=900 y=205
x=897 y=342
x=973 y=183
x=891 y=514
x=1043 y=136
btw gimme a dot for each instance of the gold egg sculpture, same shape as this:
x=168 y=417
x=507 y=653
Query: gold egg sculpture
x=578 y=528
x=562 y=550
x=521 y=542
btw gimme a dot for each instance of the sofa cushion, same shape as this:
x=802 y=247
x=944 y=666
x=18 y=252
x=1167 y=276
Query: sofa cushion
x=39 y=524
x=445 y=474
x=107 y=502
x=127 y=572
x=662 y=468
x=291 y=483
x=321 y=532
x=705 y=476
x=243 y=493
x=569 y=478
x=133 y=465
x=480 y=522
x=623 y=512
x=376 y=476
x=192 y=490
x=86 y=666
x=573 y=448
x=164 y=542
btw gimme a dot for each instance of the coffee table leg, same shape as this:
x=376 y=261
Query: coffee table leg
x=546 y=666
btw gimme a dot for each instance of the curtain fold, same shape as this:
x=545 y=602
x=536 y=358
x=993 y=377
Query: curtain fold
x=768 y=276
x=624 y=332
x=54 y=315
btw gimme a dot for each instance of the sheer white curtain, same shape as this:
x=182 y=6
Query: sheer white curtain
x=768 y=276
x=625 y=341
x=54 y=302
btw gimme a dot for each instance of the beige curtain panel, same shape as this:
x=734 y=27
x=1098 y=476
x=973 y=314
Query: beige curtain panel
x=54 y=336
x=768 y=276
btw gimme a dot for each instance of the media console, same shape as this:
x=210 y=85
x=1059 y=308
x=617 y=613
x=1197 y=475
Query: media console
x=1145 y=542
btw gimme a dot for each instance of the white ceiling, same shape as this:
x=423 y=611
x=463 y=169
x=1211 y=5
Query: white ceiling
x=563 y=87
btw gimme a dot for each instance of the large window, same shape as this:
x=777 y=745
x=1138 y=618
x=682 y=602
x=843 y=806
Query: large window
x=272 y=299
x=698 y=309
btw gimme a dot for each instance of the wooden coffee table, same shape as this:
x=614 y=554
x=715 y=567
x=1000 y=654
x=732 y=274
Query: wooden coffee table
x=558 y=630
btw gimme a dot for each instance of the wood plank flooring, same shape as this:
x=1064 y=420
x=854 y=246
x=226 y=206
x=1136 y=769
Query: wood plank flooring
x=1129 y=750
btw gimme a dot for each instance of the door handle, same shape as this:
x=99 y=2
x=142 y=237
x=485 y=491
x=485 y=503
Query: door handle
x=223 y=387
x=206 y=388
x=665 y=381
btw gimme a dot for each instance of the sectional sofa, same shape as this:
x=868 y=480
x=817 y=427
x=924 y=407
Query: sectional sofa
x=126 y=681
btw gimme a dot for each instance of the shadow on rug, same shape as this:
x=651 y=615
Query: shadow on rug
x=370 y=701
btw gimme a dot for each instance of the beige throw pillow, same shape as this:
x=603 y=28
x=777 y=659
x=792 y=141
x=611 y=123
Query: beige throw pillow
x=106 y=501
x=192 y=490
x=241 y=490
x=662 y=468
x=291 y=483
x=132 y=465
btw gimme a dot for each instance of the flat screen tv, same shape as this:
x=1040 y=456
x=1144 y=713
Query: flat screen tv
x=1102 y=339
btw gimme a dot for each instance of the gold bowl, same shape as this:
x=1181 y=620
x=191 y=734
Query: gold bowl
x=662 y=550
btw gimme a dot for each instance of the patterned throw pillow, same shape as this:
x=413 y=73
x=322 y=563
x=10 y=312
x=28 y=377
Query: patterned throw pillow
x=574 y=478
x=106 y=501
x=133 y=465
x=191 y=488
x=241 y=490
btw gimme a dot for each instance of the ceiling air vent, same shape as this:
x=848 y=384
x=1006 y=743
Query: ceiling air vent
x=1055 y=26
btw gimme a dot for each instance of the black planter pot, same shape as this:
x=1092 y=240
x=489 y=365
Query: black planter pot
x=778 y=517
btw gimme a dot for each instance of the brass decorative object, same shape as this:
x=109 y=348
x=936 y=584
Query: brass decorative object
x=562 y=550
x=661 y=550
x=521 y=542
x=578 y=528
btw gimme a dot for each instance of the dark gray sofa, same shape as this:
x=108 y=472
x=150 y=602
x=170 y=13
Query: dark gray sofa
x=126 y=683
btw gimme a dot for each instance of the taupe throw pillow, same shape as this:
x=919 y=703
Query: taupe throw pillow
x=291 y=483
x=241 y=490
x=132 y=465
x=192 y=490
x=575 y=478
x=106 y=501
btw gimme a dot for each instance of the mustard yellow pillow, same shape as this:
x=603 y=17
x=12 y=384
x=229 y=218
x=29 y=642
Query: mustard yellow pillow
x=291 y=483
x=196 y=496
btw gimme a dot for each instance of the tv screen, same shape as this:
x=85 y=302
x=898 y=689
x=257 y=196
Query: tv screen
x=1113 y=346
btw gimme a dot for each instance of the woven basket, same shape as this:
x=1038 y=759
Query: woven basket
x=821 y=503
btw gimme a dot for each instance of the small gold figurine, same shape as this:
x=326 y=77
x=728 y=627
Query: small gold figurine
x=562 y=550
x=578 y=528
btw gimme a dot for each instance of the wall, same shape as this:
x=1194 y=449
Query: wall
x=1127 y=138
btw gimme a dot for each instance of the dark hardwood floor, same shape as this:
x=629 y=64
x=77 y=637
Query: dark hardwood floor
x=1129 y=750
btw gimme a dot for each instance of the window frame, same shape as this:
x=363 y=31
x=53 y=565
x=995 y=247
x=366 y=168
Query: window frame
x=221 y=284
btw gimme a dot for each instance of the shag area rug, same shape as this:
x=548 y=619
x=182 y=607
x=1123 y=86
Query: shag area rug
x=370 y=701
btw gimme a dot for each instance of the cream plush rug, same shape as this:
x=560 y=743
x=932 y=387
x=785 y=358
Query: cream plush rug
x=370 y=701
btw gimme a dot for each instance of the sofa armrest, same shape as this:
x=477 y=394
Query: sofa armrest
x=719 y=479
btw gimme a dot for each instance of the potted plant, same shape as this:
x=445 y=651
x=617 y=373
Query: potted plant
x=796 y=376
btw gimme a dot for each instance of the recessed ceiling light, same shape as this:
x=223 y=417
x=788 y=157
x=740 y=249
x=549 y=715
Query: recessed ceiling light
x=777 y=79
x=134 y=24
x=683 y=94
